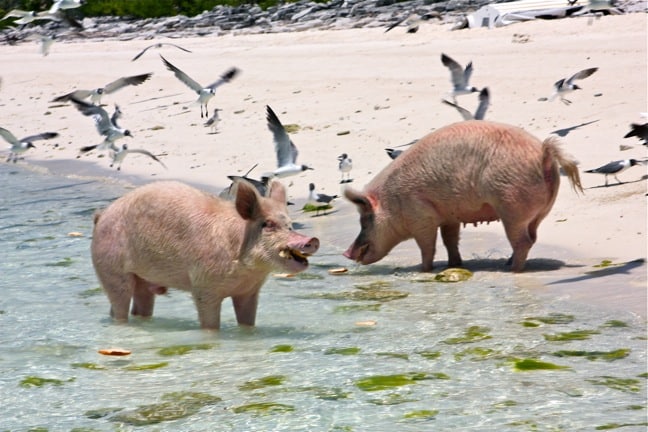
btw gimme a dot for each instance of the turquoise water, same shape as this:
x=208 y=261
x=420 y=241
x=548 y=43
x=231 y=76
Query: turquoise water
x=480 y=355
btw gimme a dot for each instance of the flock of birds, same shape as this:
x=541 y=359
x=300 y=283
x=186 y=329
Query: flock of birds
x=88 y=103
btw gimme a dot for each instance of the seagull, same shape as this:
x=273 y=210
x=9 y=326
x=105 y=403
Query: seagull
x=640 y=131
x=213 y=121
x=614 y=168
x=566 y=85
x=24 y=17
x=158 y=45
x=393 y=153
x=106 y=126
x=204 y=93
x=412 y=21
x=318 y=200
x=484 y=101
x=284 y=147
x=119 y=155
x=460 y=77
x=65 y=4
x=46 y=44
x=96 y=94
x=345 y=166
x=19 y=146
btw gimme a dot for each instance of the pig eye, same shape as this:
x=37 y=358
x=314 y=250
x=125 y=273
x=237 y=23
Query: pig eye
x=268 y=225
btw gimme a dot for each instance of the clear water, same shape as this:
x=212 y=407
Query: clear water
x=446 y=352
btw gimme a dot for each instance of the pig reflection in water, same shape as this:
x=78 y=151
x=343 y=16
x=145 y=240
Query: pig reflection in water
x=168 y=234
x=468 y=172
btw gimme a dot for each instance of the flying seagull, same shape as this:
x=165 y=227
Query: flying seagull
x=65 y=4
x=345 y=166
x=640 y=131
x=204 y=93
x=484 y=101
x=395 y=152
x=19 y=146
x=566 y=85
x=460 y=77
x=412 y=21
x=96 y=94
x=319 y=200
x=614 y=168
x=106 y=126
x=119 y=155
x=284 y=147
x=158 y=45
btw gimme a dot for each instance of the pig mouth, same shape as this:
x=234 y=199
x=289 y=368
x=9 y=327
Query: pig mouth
x=294 y=254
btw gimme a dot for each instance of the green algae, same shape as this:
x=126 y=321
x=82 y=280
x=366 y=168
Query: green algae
x=421 y=415
x=101 y=412
x=34 y=381
x=260 y=383
x=604 y=264
x=553 y=318
x=308 y=207
x=342 y=351
x=282 y=349
x=476 y=353
x=91 y=292
x=401 y=356
x=615 y=323
x=386 y=382
x=525 y=365
x=183 y=349
x=89 y=366
x=263 y=408
x=570 y=336
x=332 y=394
x=626 y=385
x=430 y=355
x=376 y=291
x=373 y=307
x=453 y=275
x=529 y=324
x=596 y=355
x=174 y=406
x=65 y=262
x=391 y=399
x=610 y=426
x=148 y=366
x=471 y=334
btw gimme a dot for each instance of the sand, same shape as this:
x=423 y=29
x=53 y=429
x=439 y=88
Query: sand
x=359 y=91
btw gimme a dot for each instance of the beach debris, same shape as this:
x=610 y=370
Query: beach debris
x=338 y=270
x=114 y=352
x=453 y=275
x=285 y=148
x=20 y=146
x=96 y=94
x=613 y=168
x=75 y=234
x=367 y=323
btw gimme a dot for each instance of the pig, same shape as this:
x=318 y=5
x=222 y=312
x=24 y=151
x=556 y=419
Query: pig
x=168 y=234
x=468 y=172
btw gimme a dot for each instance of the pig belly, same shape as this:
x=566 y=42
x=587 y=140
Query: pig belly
x=485 y=214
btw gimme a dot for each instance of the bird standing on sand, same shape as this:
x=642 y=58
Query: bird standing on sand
x=318 y=200
x=640 y=131
x=284 y=148
x=614 y=168
x=204 y=93
x=19 y=146
x=213 y=121
x=566 y=85
x=345 y=166
x=460 y=77
x=480 y=113
x=106 y=126
x=96 y=94
x=158 y=45
x=119 y=155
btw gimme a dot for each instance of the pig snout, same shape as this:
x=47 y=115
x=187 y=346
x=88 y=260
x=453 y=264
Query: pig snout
x=357 y=253
x=298 y=249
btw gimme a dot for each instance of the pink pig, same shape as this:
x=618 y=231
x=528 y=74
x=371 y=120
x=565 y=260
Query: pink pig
x=467 y=172
x=168 y=234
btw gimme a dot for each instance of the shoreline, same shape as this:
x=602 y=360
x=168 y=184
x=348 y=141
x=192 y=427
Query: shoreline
x=359 y=91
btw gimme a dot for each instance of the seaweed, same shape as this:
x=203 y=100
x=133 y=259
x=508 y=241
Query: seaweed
x=471 y=334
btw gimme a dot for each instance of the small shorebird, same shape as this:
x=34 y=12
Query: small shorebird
x=19 y=146
x=158 y=45
x=460 y=77
x=96 y=94
x=640 y=131
x=213 y=121
x=318 y=200
x=119 y=155
x=484 y=101
x=614 y=168
x=345 y=166
x=204 y=93
x=106 y=126
x=566 y=85
x=284 y=148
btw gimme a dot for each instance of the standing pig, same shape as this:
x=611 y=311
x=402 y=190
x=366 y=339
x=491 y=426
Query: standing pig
x=168 y=234
x=468 y=172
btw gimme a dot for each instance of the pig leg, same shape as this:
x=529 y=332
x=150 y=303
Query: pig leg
x=450 y=236
x=119 y=288
x=143 y=298
x=521 y=238
x=427 y=244
x=245 y=307
x=209 y=308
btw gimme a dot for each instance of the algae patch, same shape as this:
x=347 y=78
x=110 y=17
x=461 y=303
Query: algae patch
x=183 y=349
x=596 y=355
x=626 y=385
x=453 y=275
x=259 y=383
x=174 y=406
x=471 y=334
x=570 y=336
x=386 y=382
x=261 y=408
x=525 y=365
x=34 y=381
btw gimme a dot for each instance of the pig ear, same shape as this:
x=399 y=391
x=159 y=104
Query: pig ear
x=277 y=192
x=359 y=199
x=247 y=201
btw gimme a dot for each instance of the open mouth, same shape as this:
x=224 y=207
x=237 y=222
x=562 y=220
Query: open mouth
x=294 y=254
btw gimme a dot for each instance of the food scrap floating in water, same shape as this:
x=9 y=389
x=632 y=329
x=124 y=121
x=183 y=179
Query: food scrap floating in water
x=114 y=352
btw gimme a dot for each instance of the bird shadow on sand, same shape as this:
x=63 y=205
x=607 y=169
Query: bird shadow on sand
x=607 y=270
x=642 y=178
x=565 y=131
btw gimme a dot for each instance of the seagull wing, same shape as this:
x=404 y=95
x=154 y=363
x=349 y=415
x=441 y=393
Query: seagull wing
x=581 y=75
x=177 y=46
x=225 y=78
x=456 y=70
x=141 y=53
x=467 y=73
x=99 y=115
x=484 y=102
x=146 y=153
x=463 y=111
x=77 y=94
x=396 y=24
x=126 y=81
x=284 y=147
x=186 y=79
x=17 y=13
x=8 y=136
x=41 y=136
x=608 y=168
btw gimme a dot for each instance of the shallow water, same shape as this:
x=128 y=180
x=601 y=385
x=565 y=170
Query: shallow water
x=478 y=355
